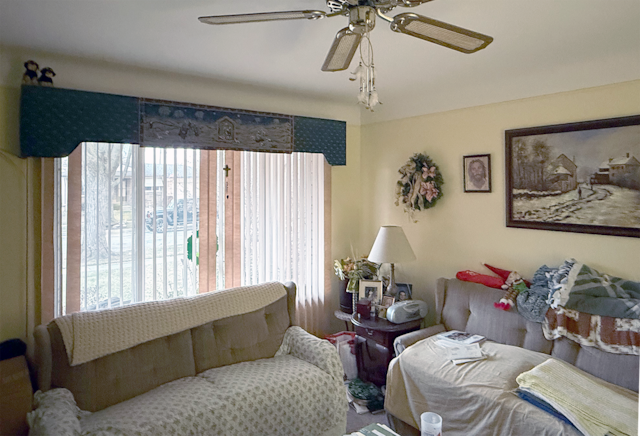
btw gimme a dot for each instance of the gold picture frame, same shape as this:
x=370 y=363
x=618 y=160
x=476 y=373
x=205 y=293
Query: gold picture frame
x=370 y=290
x=563 y=177
x=387 y=300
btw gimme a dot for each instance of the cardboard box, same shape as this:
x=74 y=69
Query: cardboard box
x=15 y=396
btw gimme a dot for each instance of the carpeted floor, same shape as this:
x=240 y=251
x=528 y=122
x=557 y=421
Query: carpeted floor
x=356 y=422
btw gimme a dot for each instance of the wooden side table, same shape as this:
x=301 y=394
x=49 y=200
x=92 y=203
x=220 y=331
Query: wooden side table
x=374 y=345
x=344 y=316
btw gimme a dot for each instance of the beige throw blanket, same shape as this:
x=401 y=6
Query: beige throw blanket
x=89 y=335
x=594 y=406
x=476 y=398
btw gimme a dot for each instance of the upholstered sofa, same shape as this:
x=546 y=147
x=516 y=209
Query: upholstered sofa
x=247 y=370
x=479 y=398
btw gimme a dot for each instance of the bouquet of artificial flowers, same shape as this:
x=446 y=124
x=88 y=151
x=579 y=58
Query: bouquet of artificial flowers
x=354 y=270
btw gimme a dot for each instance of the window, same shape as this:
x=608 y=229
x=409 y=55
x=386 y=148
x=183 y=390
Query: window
x=133 y=244
x=143 y=216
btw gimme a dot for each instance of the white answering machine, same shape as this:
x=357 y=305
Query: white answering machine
x=405 y=311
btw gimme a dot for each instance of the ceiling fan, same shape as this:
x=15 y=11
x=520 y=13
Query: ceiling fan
x=362 y=17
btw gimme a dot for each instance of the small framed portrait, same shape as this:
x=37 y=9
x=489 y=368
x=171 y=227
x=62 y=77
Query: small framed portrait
x=477 y=173
x=382 y=311
x=371 y=290
x=404 y=291
x=387 y=300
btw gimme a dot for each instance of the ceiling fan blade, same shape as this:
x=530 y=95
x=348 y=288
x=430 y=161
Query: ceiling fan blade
x=342 y=50
x=262 y=16
x=435 y=31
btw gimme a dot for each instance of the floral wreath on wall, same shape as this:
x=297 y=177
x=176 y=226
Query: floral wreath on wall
x=420 y=184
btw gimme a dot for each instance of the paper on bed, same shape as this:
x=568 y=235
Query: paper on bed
x=461 y=353
x=458 y=337
x=464 y=352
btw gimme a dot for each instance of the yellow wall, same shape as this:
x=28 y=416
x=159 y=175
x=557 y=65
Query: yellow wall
x=462 y=231
x=13 y=229
x=19 y=198
x=467 y=229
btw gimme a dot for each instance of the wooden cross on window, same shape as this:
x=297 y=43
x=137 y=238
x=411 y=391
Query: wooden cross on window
x=226 y=170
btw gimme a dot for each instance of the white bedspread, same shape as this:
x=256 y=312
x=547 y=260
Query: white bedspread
x=476 y=398
x=89 y=335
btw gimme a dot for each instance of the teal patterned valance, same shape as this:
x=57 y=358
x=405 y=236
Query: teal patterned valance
x=53 y=121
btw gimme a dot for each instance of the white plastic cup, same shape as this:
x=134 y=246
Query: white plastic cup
x=430 y=424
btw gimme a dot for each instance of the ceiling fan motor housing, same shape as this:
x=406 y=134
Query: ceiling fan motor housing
x=344 y=7
x=362 y=19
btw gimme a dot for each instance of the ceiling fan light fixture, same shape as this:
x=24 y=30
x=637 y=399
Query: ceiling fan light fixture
x=262 y=16
x=342 y=50
x=438 y=32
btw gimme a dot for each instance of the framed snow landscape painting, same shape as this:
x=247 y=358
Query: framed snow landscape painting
x=580 y=177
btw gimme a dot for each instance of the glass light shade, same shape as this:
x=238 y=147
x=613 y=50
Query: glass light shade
x=391 y=246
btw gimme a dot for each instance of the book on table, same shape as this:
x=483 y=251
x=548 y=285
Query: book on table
x=460 y=337
x=461 y=347
x=375 y=429
x=464 y=353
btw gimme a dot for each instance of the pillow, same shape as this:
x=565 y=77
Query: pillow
x=505 y=274
x=55 y=414
x=483 y=279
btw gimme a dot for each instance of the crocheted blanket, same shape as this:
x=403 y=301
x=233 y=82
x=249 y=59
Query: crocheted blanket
x=594 y=406
x=584 y=289
x=90 y=335
x=613 y=335
x=533 y=303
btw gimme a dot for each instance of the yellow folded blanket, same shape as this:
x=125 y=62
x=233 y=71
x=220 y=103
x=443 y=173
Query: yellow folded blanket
x=594 y=406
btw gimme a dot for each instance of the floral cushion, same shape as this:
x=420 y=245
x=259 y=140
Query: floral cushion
x=279 y=396
x=299 y=392
x=181 y=407
x=319 y=352
x=55 y=414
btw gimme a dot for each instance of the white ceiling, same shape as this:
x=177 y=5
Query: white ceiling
x=540 y=46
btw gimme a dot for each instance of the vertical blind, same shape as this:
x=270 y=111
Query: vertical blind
x=129 y=220
x=282 y=226
x=126 y=224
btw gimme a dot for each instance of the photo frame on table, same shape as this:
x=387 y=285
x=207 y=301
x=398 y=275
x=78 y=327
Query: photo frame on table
x=578 y=177
x=476 y=170
x=404 y=291
x=371 y=290
x=387 y=300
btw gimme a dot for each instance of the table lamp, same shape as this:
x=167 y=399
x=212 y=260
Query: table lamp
x=391 y=246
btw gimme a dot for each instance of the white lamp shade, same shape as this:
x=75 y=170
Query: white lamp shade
x=391 y=246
